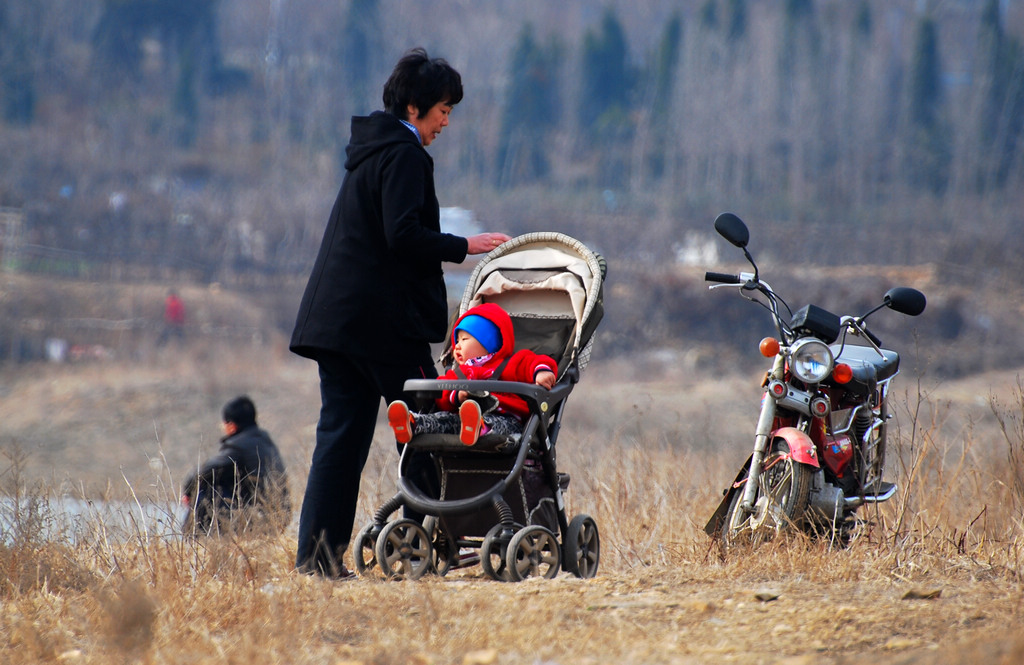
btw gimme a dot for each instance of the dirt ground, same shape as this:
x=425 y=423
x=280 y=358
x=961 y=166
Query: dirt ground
x=691 y=615
x=684 y=616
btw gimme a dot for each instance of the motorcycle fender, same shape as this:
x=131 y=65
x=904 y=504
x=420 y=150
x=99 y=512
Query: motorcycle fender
x=714 y=524
x=801 y=448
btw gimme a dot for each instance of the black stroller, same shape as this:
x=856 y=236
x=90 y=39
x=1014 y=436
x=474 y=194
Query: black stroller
x=501 y=500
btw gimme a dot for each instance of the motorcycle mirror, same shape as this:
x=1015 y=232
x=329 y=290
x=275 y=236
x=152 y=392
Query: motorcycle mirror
x=732 y=228
x=905 y=300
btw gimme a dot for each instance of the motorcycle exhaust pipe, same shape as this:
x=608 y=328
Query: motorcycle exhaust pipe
x=888 y=489
x=830 y=501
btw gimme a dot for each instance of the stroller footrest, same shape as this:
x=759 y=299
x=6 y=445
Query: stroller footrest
x=450 y=443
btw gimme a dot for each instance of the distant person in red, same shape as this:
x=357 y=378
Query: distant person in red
x=174 y=319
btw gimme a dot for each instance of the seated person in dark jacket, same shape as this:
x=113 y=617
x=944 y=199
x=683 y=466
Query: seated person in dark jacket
x=244 y=485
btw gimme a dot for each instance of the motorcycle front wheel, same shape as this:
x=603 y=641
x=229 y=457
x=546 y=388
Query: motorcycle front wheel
x=780 y=502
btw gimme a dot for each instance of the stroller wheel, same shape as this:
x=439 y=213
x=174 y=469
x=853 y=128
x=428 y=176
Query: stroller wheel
x=364 y=552
x=582 y=547
x=492 y=552
x=403 y=550
x=533 y=552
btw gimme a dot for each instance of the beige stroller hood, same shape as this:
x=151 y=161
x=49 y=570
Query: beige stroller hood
x=552 y=287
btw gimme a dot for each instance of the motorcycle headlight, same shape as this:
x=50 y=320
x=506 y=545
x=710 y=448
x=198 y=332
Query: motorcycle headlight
x=810 y=360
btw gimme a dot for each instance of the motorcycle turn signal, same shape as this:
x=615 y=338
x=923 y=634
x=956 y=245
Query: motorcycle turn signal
x=769 y=347
x=842 y=373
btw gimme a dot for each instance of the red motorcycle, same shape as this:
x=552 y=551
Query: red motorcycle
x=820 y=440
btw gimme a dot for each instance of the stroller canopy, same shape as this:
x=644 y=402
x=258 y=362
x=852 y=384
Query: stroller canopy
x=552 y=287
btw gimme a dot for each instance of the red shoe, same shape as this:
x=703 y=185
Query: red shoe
x=469 y=414
x=400 y=420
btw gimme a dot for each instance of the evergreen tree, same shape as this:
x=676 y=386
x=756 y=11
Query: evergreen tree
x=360 y=44
x=802 y=102
x=1013 y=119
x=928 y=154
x=737 y=28
x=532 y=111
x=864 y=22
x=17 y=85
x=606 y=81
x=186 y=102
x=799 y=38
x=666 y=66
x=709 y=15
x=990 y=84
x=606 y=104
x=926 y=77
x=860 y=161
x=187 y=33
x=117 y=39
x=1000 y=73
x=178 y=25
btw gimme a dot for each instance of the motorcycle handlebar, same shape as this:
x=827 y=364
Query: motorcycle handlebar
x=722 y=278
x=858 y=328
x=871 y=336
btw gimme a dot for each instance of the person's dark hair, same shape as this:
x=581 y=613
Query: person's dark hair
x=422 y=81
x=240 y=411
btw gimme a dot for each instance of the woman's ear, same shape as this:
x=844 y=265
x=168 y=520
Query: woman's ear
x=411 y=112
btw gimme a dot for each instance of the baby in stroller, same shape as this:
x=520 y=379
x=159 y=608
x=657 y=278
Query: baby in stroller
x=498 y=498
x=482 y=342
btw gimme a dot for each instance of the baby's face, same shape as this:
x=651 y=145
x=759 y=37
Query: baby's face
x=467 y=348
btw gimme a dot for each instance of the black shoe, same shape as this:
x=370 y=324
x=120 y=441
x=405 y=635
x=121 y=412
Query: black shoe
x=341 y=574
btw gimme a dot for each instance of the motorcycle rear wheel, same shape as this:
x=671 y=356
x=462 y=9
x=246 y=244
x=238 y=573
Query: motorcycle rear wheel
x=780 y=502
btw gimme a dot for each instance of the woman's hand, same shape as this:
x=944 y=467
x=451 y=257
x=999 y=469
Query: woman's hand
x=485 y=242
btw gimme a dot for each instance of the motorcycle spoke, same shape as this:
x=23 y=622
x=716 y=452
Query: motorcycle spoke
x=778 y=482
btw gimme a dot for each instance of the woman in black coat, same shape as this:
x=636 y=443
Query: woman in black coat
x=376 y=297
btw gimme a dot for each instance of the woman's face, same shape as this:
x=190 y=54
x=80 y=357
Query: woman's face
x=432 y=122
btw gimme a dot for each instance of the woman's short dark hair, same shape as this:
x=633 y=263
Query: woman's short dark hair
x=241 y=411
x=422 y=81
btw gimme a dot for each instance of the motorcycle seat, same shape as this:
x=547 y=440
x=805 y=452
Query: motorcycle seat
x=868 y=366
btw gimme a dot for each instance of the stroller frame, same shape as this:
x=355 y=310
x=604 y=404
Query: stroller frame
x=451 y=535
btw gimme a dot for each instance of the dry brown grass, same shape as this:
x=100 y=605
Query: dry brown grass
x=935 y=578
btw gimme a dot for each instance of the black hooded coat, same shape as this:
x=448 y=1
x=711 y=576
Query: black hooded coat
x=377 y=288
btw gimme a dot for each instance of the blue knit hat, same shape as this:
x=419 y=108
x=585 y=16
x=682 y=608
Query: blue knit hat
x=484 y=330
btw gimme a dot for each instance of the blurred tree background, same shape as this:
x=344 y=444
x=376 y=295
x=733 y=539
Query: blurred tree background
x=202 y=140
